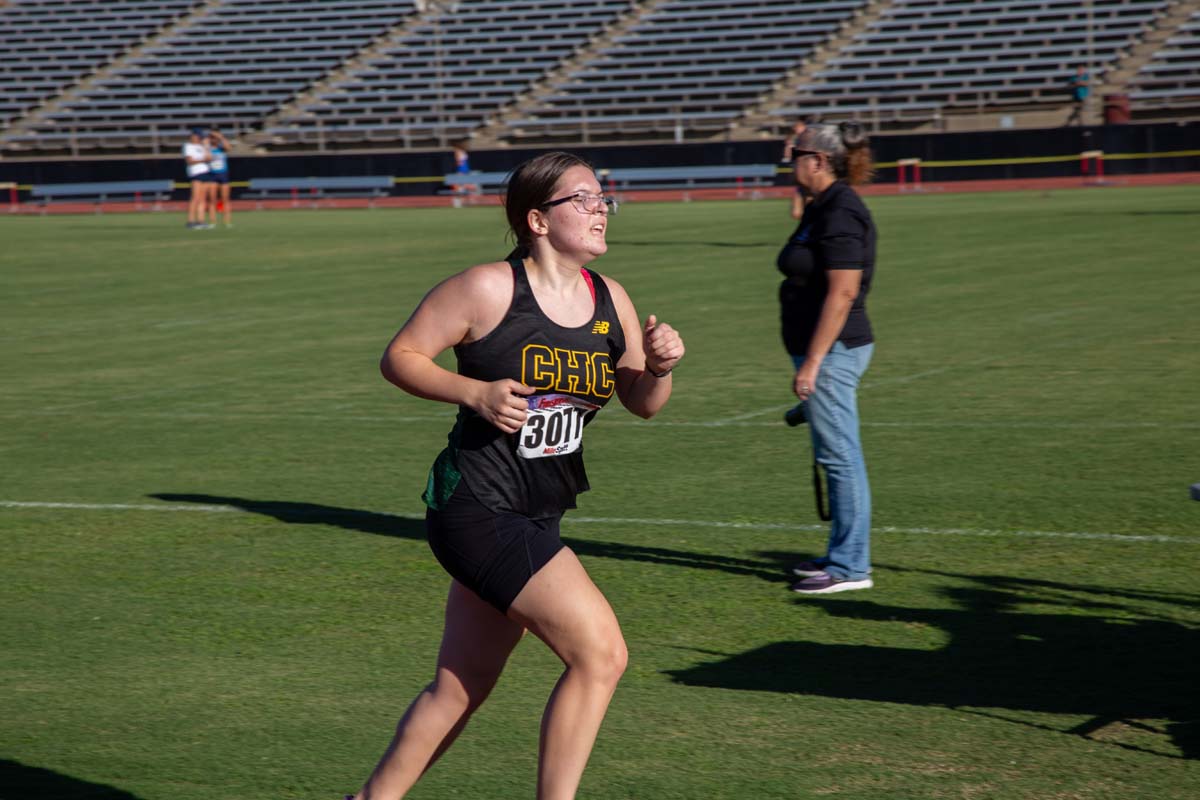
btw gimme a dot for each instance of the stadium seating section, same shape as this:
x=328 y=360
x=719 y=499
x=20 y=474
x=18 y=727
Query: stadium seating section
x=921 y=55
x=1172 y=78
x=52 y=45
x=80 y=75
x=449 y=73
x=693 y=63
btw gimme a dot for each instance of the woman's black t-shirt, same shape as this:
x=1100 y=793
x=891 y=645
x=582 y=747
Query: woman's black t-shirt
x=836 y=232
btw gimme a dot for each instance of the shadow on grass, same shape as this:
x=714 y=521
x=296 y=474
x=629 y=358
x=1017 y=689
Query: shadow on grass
x=19 y=780
x=675 y=558
x=312 y=514
x=408 y=528
x=1113 y=662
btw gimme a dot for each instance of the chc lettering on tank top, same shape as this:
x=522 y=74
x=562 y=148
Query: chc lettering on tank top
x=553 y=360
x=555 y=423
x=572 y=370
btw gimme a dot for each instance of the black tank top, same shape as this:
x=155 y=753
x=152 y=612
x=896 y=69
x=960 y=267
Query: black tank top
x=538 y=470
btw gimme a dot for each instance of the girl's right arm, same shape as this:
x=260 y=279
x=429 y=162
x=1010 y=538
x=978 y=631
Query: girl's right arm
x=454 y=311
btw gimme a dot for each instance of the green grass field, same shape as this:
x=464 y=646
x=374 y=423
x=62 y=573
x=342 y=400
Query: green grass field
x=1031 y=426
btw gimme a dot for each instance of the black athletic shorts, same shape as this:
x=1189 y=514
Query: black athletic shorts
x=492 y=554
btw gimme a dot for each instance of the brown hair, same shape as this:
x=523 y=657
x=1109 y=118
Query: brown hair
x=848 y=147
x=530 y=185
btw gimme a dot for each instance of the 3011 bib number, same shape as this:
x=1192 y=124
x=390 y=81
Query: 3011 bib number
x=554 y=426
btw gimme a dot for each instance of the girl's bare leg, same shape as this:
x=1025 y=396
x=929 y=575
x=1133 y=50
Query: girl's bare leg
x=475 y=646
x=196 y=203
x=211 y=202
x=563 y=608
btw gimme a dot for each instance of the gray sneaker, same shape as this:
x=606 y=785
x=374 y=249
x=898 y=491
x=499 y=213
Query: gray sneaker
x=807 y=569
x=825 y=583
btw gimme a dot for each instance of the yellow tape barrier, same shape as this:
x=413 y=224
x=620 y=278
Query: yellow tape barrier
x=979 y=162
x=999 y=162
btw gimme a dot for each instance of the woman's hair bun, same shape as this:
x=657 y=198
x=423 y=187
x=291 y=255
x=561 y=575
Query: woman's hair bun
x=854 y=135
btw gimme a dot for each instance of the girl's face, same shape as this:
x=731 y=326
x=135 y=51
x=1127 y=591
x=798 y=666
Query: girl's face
x=575 y=217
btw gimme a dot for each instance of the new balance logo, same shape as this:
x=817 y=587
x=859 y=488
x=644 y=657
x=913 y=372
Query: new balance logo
x=600 y=327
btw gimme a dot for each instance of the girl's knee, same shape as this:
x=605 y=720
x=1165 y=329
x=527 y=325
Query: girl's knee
x=605 y=659
x=620 y=658
x=466 y=689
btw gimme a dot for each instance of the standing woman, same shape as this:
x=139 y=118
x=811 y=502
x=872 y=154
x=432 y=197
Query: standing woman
x=218 y=146
x=828 y=265
x=542 y=344
x=197 y=158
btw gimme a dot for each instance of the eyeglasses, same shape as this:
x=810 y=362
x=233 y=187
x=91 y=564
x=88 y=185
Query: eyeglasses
x=798 y=154
x=586 y=203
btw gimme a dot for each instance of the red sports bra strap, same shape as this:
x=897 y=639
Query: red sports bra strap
x=587 y=276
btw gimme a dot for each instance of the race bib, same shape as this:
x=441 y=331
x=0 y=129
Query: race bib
x=554 y=426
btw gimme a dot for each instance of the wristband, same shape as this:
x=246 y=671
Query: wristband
x=658 y=374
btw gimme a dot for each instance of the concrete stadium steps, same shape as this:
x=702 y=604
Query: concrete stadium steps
x=463 y=63
x=1173 y=47
x=934 y=62
x=497 y=129
x=260 y=139
x=760 y=121
x=195 y=59
x=686 y=70
x=155 y=22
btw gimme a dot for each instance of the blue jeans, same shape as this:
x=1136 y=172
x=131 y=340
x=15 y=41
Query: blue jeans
x=832 y=412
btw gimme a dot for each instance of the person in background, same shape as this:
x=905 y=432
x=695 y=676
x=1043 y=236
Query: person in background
x=799 y=196
x=462 y=166
x=828 y=266
x=199 y=171
x=219 y=195
x=1080 y=88
x=542 y=344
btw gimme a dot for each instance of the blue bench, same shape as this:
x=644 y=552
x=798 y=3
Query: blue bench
x=102 y=191
x=626 y=178
x=314 y=188
x=478 y=182
x=689 y=177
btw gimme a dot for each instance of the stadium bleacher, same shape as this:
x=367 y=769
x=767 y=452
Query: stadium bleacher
x=694 y=64
x=922 y=57
x=134 y=75
x=1171 y=79
x=440 y=79
x=202 y=71
x=51 y=45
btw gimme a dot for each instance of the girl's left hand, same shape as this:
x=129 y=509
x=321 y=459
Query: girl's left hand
x=662 y=345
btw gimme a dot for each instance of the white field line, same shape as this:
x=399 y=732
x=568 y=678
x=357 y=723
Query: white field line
x=679 y=523
x=734 y=420
x=864 y=387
